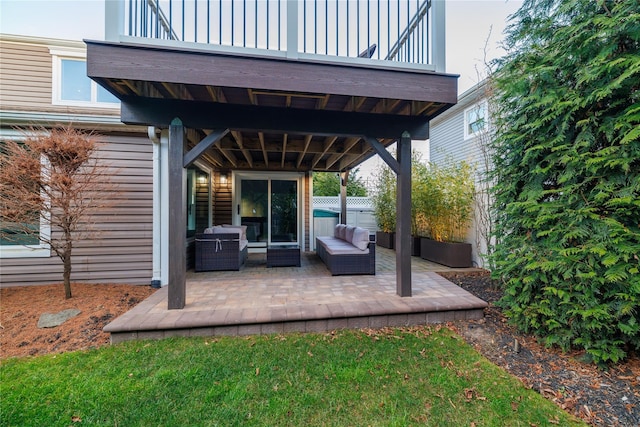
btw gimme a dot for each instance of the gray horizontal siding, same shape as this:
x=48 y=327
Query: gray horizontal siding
x=121 y=252
x=447 y=141
x=26 y=73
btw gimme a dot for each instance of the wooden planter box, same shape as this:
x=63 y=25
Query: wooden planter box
x=385 y=240
x=416 y=245
x=457 y=255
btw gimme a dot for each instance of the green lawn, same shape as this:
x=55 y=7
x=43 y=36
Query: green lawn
x=395 y=377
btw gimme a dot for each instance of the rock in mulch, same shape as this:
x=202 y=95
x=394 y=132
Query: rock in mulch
x=51 y=320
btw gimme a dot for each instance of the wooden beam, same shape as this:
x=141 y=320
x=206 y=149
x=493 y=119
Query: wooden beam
x=264 y=151
x=284 y=148
x=344 y=178
x=382 y=152
x=203 y=145
x=328 y=142
x=210 y=115
x=403 y=218
x=307 y=141
x=237 y=136
x=349 y=143
x=229 y=155
x=178 y=218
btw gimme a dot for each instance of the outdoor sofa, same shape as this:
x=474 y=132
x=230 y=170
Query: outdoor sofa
x=221 y=248
x=351 y=250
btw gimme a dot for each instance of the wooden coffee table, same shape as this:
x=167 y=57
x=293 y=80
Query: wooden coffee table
x=283 y=256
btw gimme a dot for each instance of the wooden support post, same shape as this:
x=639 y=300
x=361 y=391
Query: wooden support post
x=344 y=178
x=403 y=218
x=177 y=217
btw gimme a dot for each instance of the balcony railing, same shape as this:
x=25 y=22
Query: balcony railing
x=403 y=31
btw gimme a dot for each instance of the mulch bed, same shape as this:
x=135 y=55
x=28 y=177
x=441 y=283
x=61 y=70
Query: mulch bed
x=600 y=397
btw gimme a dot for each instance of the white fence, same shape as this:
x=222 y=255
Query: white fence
x=333 y=202
x=359 y=213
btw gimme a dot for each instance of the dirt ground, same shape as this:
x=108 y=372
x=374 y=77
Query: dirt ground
x=601 y=397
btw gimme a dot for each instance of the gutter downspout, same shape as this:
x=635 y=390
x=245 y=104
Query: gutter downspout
x=156 y=279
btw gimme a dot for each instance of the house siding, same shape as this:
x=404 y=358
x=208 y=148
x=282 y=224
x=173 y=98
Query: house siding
x=447 y=141
x=121 y=249
x=121 y=252
x=27 y=77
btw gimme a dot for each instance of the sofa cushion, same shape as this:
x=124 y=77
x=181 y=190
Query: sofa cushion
x=243 y=228
x=349 y=233
x=335 y=246
x=360 y=238
x=218 y=229
x=340 y=231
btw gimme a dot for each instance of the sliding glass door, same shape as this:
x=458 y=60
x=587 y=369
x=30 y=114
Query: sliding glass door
x=269 y=207
x=284 y=211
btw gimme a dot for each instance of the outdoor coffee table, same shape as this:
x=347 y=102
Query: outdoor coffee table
x=283 y=256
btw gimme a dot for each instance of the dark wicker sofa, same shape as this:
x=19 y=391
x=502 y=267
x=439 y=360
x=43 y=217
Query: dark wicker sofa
x=343 y=257
x=215 y=252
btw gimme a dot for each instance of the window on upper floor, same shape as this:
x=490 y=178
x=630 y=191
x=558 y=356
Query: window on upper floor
x=72 y=86
x=15 y=241
x=475 y=120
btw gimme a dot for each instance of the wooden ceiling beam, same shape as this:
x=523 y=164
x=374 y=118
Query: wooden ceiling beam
x=349 y=143
x=207 y=115
x=328 y=142
x=321 y=104
x=229 y=156
x=307 y=141
x=237 y=136
x=284 y=147
x=264 y=151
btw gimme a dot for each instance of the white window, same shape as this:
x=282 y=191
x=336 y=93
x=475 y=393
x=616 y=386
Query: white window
x=21 y=245
x=475 y=120
x=71 y=86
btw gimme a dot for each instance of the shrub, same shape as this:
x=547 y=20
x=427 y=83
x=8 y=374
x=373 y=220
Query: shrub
x=384 y=198
x=443 y=200
x=567 y=170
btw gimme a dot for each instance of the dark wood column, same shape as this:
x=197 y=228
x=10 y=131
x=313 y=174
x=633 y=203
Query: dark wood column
x=177 y=217
x=403 y=218
x=344 y=178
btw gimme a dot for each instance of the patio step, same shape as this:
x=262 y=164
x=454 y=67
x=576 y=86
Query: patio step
x=289 y=302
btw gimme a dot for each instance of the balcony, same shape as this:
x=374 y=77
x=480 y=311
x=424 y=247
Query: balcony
x=300 y=85
x=401 y=33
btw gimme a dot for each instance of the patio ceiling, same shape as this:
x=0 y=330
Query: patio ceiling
x=283 y=114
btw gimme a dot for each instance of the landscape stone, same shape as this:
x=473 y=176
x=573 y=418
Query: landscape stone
x=51 y=320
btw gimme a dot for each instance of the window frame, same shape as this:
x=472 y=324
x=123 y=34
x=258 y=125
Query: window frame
x=479 y=105
x=41 y=250
x=57 y=56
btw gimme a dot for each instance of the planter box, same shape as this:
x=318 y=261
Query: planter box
x=385 y=240
x=416 y=245
x=457 y=255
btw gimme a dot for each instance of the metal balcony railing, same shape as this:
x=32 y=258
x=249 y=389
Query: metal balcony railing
x=403 y=31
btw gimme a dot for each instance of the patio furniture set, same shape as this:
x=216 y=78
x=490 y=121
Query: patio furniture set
x=351 y=250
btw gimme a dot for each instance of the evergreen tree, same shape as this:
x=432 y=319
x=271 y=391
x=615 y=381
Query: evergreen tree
x=567 y=167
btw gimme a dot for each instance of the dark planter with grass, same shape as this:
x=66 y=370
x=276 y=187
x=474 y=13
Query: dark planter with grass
x=385 y=239
x=457 y=255
x=416 y=245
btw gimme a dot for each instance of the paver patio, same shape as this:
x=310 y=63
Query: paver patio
x=257 y=300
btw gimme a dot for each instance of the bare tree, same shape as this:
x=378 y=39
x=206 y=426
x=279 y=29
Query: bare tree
x=484 y=219
x=53 y=176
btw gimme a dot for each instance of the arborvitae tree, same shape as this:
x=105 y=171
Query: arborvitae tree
x=567 y=165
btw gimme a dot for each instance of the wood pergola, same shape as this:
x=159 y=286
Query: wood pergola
x=270 y=113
